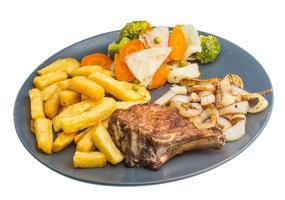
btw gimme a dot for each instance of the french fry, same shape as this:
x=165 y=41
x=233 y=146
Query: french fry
x=87 y=87
x=63 y=140
x=141 y=90
x=89 y=118
x=37 y=108
x=65 y=64
x=48 y=91
x=89 y=159
x=85 y=144
x=115 y=87
x=72 y=110
x=44 y=135
x=105 y=123
x=87 y=70
x=79 y=136
x=52 y=105
x=47 y=79
x=68 y=97
x=83 y=97
x=105 y=144
x=63 y=85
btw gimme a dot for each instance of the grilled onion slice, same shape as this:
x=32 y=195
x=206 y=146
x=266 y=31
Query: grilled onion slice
x=240 y=107
x=185 y=108
x=200 y=121
x=236 y=131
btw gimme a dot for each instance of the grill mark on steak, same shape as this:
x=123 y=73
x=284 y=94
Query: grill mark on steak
x=150 y=134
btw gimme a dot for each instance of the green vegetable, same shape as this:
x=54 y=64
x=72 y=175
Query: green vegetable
x=133 y=29
x=136 y=87
x=136 y=81
x=114 y=48
x=157 y=40
x=210 y=49
x=183 y=63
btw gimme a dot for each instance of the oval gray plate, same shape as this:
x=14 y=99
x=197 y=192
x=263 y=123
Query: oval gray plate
x=232 y=59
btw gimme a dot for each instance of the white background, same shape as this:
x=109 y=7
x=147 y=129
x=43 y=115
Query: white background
x=31 y=31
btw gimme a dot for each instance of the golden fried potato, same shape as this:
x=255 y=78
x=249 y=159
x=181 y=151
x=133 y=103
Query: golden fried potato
x=87 y=87
x=52 y=105
x=63 y=85
x=91 y=117
x=85 y=144
x=63 y=140
x=105 y=123
x=47 y=79
x=48 y=91
x=68 y=97
x=105 y=144
x=72 y=110
x=37 y=108
x=65 y=64
x=44 y=135
x=87 y=70
x=79 y=136
x=83 y=97
x=89 y=159
x=115 y=87
x=141 y=90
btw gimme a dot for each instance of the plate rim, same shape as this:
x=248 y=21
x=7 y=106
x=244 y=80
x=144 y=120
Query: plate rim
x=141 y=183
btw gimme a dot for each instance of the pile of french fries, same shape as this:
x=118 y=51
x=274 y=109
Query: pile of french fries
x=68 y=104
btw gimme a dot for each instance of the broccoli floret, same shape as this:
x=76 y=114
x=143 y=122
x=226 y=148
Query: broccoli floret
x=210 y=49
x=114 y=47
x=133 y=29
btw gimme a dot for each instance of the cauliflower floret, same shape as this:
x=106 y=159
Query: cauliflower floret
x=193 y=40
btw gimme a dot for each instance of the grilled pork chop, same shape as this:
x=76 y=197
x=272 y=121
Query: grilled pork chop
x=150 y=134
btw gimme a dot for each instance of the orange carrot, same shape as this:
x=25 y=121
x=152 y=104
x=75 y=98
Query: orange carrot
x=130 y=47
x=97 y=59
x=160 y=77
x=121 y=69
x=167 y=60
x=177 y=41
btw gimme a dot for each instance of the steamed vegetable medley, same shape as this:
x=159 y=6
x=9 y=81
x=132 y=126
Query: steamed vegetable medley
x=151 y=56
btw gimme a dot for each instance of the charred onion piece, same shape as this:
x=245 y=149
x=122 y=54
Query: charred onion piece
x=235 y=80
x=185 y=108
x=211 y=113
x=257 y=102
x=241 y=107
x=174 y=90
x=223 y=124
x=191 y=82
x=236 y=131
x=208 y=99
x=204 y=87
x=194 y=97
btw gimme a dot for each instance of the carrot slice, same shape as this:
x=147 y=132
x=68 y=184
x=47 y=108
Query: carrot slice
x=121 y=69
x=130 y=47
x=160 y=77
x=177 y=41
x=167 y=60
x=97 y=59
